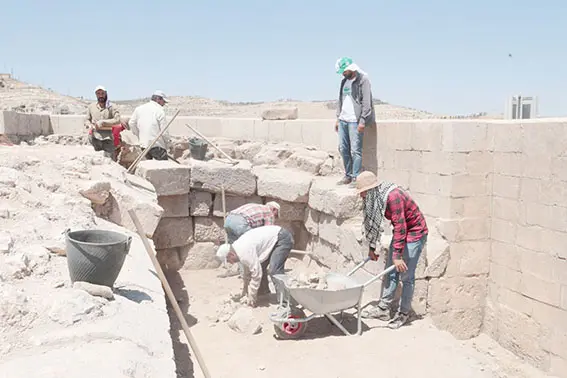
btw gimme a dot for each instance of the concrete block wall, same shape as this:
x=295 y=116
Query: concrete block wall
x=527 y=288
x=23 y=126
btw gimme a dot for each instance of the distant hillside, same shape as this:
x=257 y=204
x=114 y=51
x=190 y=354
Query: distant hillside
x=23 y=97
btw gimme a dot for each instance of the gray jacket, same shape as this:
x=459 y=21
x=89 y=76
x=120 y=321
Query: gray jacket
x=362 y=99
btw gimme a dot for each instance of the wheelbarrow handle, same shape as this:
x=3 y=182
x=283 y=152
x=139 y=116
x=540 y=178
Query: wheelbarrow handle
x=377 y=277
x=360 y=265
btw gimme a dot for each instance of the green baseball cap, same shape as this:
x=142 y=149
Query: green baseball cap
x=342 y=64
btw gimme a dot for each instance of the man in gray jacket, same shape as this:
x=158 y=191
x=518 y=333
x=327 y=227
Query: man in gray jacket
x=355 y=111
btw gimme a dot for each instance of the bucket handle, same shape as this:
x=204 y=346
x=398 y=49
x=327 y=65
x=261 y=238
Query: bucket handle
x=128 y=243
x=66 y=232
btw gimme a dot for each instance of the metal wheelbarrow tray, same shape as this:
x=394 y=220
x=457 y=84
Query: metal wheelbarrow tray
x=290 y=320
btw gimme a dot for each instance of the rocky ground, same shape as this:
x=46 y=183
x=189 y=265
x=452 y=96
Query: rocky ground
x=23 y=97
x=415 y=350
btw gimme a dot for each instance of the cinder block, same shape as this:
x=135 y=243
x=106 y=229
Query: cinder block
x=174 y=206
x=208 y=229
x=443 y=163
x=14 y=124
x=173 y=232
x=508 y=164
x=311 y=221
x=506 y=209
x=329 y=198
x=558 y=366
x=506 y=137
x=427 y=136
x=530 y=190
x=472 y=257
x=201 y=256
x=471 y=185
x=529 y=237
x=555 y=243
x=514 y=300
x=232 y=203
x=463 y=229
x=408 y=160
x=505 y=277
x=285 y=184
x=506 y=186
x=505 y=254
x=167 y=177
x=212 y=175
x=553 y=192
x=479 y=163
x=290 y=211
x=465 y=136
x=200 y=203
x=540 y=289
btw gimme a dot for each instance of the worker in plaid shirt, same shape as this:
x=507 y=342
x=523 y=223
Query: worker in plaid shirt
x=250 y=216
x=387 y=200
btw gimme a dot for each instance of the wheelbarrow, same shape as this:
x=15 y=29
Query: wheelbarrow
x=290 y=320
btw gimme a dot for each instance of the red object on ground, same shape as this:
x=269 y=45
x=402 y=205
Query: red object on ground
x=116 y=130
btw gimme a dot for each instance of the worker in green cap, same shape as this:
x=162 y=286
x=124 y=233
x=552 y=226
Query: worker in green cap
x=355 y=111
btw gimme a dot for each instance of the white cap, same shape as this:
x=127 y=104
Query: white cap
x=100 y=88
x=161 y=94
x=223 y=251
x=274 y=204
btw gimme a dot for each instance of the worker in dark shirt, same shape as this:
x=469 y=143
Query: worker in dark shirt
x=387 y=200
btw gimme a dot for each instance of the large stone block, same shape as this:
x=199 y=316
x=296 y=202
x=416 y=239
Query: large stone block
x=285 y=184
x=201 y=256
x=232 y=203
x=311 y=221
x=300 y=235
x=327 y=254
x=167 y=177
x=329 y=198
x=213 y=175
x=456 y=293
x=308 y=160
x=280 y=114
x=174 y=206
x=462 y=324
x=24 y=125
x=462 y=229
x=200 y=203
x=290 y=211
x=173 y=232
x=209 y=229
x=272 y=154
x=437 y=253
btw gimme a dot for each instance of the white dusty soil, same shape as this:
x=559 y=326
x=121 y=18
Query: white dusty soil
x=418 y=349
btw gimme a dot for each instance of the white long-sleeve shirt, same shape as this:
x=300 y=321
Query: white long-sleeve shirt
x=253 y=248
x=146 y=122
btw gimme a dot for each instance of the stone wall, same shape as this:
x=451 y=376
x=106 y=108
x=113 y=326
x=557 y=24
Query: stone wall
x=526 y=309
x=24 y=127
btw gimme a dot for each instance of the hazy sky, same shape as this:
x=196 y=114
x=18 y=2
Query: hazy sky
x=445 y=56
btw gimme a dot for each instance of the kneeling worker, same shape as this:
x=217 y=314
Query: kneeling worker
x=256 y=250
x=250 y=216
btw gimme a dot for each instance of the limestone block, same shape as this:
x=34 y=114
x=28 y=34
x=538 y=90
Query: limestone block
x=232 y=203
x=329 y=198
x=167 y=177
x=201 y=256
x=208 y=229
x=247 y=150
x=462 y=229
x=308 y=160
x=286 y=184
x=96 y=191
x=311 y=221
x=280 y=114
x=174 y=206
x=290 y=211
x=173 y=232
x=456 y=293
x=169 y=259
x=200 y=203
x=333 y=165
x=419 y=301
x=225 y=145
x=244 y=321
x=465 y=137
x=212 y=175
x=436 y=251
x=329 y=229
x=272 y=154
x=469 y=258
x=351 y=243
x=462 y=324
x=24 y=124
x=327 y=254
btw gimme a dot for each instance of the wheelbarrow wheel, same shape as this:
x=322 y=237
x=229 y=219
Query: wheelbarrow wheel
x=287 y=331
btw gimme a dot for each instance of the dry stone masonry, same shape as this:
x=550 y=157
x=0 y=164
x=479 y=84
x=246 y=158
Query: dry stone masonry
x=324 y=218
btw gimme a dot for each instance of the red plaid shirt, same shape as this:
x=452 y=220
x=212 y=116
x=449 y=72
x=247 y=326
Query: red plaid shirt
x=257 y=215
x=408 y=221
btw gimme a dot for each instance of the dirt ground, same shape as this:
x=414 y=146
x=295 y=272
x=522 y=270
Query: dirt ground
x=418 y=349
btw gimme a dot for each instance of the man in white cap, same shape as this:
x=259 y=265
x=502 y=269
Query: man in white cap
x=249 y=216
x=146 y=123
x=355 y=111
x=101 y=117
x=262 y=251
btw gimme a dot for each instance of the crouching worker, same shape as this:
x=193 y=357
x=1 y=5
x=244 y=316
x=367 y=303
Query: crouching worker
x=262 y=251
x=250 y=216
x=387 y=200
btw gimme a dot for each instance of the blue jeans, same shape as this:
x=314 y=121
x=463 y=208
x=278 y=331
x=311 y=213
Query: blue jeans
x=411 y=255
x=350 y=147
x=235 y=225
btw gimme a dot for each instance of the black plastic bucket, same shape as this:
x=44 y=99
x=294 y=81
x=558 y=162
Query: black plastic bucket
x=96 y=256
x=198 y=148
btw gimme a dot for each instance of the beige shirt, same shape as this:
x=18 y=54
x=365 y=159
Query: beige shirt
x=253 y=248
x=109 y=116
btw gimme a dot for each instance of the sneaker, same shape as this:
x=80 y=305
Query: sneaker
x=398 y=321
x=352 y=183
x=344 y=181
x=376 y=312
